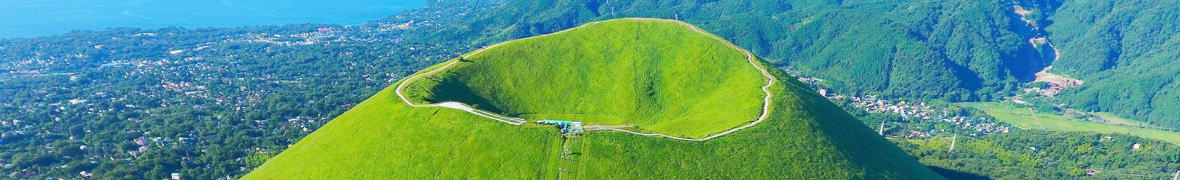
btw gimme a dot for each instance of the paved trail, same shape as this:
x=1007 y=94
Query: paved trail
x=518 y=121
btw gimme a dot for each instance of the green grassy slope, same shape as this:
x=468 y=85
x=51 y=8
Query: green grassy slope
x=672 y=80
x=805 y=137
x=382 y=136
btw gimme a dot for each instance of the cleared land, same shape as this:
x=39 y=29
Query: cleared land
x=1024 y=118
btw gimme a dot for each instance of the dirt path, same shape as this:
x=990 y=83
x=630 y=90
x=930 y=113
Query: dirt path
x=1033 y=113
x=518 y=121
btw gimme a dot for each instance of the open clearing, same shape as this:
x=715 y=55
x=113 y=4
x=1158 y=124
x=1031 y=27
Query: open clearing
x=1024 y=118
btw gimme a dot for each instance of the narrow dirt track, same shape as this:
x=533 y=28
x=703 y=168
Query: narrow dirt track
x=518 y=121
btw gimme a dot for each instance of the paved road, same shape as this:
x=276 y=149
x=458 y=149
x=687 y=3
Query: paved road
x=518 y=121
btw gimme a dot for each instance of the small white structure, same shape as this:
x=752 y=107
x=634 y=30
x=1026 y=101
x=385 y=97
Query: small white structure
x=566 y=127
x=1136 y=146
x=175 y=176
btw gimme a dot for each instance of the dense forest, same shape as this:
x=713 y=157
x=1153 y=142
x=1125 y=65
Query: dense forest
x=216 y=102
x=1126 y=52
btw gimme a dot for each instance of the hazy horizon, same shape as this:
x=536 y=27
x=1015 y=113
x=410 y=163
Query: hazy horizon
x=32 y=18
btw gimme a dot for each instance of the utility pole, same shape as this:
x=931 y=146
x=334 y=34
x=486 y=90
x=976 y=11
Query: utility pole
x=953 y=139
x=882 y=129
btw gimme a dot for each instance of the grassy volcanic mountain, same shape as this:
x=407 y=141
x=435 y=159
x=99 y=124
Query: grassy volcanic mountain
x=646 y=76
x=678 y=81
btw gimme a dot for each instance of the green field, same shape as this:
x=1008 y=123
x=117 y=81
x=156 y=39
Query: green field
x=1027 y=119
x=805 y=136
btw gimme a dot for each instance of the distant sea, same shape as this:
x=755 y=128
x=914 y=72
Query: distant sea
x=30 y=18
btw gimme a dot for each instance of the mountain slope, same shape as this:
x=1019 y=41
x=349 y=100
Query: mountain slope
x=803 y=136
x=955 y=50
x=1126 y=51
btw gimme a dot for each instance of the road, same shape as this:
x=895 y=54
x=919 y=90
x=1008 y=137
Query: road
x=766 y=102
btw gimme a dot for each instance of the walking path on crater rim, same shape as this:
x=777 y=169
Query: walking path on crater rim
x=519 y=121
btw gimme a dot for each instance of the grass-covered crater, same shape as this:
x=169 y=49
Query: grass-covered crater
x=654 y=76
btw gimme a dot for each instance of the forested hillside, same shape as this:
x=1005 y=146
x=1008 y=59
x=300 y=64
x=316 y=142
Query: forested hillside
x=1127 y=53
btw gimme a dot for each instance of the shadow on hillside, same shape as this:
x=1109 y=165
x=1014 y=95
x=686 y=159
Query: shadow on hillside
x=953 y=174
x=451 y=89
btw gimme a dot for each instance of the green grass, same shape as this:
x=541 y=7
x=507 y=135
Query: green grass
x=806 y=136
x=1024 y=118
x=673 y=81
x=1115 y=119
x=383 y=136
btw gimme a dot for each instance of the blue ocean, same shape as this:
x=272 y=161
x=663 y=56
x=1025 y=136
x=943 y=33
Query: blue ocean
x=31 y=18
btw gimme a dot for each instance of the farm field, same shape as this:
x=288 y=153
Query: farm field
x=1027 y=119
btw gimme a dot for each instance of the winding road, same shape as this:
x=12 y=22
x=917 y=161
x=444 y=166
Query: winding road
x=518 y=121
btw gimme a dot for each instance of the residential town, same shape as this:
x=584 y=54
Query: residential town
x=189 y=100
x=914 y=114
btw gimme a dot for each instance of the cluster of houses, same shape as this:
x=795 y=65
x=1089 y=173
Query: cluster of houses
x=321 y=35
x=920 y=111
x=1054 y=88
x=911 y=111
x=1056 y=83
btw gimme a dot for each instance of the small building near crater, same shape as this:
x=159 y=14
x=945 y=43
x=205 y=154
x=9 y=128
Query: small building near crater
x=566 y=126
